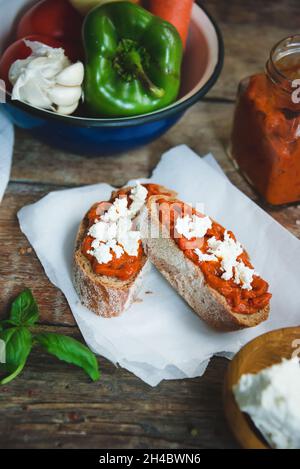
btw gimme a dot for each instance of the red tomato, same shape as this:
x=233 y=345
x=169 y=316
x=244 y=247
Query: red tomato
x=55 y=18
x=19 y=50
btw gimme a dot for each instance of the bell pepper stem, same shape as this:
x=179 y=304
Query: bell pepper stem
x=154 y=90
x=132 y=64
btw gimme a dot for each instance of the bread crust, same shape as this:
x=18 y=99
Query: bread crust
x=105 y=296
x=188 y=279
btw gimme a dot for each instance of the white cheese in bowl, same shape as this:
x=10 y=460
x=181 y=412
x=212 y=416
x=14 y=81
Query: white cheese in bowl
x=272 y=399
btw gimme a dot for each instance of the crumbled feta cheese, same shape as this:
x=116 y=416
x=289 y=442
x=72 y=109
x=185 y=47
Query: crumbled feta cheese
x=116 y=248
x=130 y=242
x=103 y=231
x=244 y=275
x=123 y=226
x=205 y=257
x=272 y=399
x=228 y=252
x=101 y=253
x=114 y=231
x=193 y=226
x=138 y=196
x=117 y=210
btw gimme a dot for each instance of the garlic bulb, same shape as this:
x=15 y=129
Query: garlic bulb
x=47 y=79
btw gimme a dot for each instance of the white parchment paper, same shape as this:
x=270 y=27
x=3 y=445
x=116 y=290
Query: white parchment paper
x=6 y=151
x=160 y=337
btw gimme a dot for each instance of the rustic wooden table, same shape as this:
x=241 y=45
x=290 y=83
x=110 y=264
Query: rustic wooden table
x=53 y=405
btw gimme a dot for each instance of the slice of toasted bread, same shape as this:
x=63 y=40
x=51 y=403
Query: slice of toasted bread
x=188 y=279
x=105 y=296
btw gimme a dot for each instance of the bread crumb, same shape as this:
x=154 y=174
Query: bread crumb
x=148 y=292
x=138 y=300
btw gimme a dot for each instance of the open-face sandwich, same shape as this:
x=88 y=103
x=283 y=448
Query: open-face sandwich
x=205 y=263
x=109 y=259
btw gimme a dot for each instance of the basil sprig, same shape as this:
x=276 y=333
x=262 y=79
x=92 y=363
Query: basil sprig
x=19 y=338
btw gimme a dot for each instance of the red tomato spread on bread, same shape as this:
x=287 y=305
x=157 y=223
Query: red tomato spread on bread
x=242 y=300
x=125 y=266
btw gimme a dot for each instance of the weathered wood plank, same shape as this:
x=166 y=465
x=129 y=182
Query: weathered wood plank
x=19 y=266
x=256 y=13
x=205 y=128
x=53 y=405
x=250 y=29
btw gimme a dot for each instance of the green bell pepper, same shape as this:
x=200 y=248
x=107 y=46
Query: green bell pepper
x=133 y=61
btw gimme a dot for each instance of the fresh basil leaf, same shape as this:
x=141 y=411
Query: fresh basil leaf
x=71 y=351
x=7 y=323
x=24 y=310
x=18 y=343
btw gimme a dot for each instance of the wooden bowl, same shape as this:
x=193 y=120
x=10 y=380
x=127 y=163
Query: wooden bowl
x=260 y=353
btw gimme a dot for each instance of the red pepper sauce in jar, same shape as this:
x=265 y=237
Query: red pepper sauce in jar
x=265 y=139
x=240 y=300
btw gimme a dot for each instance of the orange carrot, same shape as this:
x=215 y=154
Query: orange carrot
x=177 y=12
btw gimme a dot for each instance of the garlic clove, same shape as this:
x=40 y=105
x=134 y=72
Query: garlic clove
x=67 y=110
x=65 y=95
x=71 y=76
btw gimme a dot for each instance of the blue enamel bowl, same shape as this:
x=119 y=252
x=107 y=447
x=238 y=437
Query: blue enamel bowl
x=202 y=64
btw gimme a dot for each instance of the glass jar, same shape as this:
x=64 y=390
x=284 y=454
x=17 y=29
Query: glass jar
x=265 y=140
